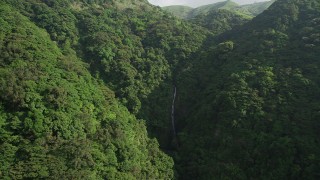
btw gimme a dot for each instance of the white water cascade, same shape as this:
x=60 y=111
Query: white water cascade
x=172 y=112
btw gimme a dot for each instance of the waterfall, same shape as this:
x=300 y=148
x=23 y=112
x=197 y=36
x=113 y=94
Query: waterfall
x=172 y=112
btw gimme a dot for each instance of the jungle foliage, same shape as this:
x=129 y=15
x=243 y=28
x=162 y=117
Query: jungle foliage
x=57 y=121
x=247 y=11
x=249 y=106
x=86 y=91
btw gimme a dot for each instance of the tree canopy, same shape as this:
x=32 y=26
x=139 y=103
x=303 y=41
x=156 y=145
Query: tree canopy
x=92 y=89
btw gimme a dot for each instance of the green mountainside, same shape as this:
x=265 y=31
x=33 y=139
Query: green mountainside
x=226 y=5
x=219 y=21
x=219 y=17
x=60 y=121
x=247 y=11
x=255 y=8
x=106 y=89
x=178 y=10
x=249 y=106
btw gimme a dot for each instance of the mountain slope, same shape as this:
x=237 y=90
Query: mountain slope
x=255 y=8
x=56 y=120
x=127 y=50
x=219 y=21
x=247 y=11
x=81 y=79
x=178 y=11
x=248 y=108
x=226 y=5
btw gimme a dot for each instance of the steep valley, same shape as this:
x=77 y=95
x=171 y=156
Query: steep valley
x=109 y=89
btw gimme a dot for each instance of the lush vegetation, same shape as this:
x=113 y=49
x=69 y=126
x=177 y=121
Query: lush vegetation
x=87 y=85
x=219 y=21
x=246 y=11
x=255 y=8
x=249 y=107
x=178 y=10
x=56 y=120
x=225 y=5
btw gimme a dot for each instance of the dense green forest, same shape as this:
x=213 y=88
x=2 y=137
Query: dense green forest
x=106 y=89
x=219 y=17
x=219 y=21
x=246 y=11
x=57 y=121
x=249 y=106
